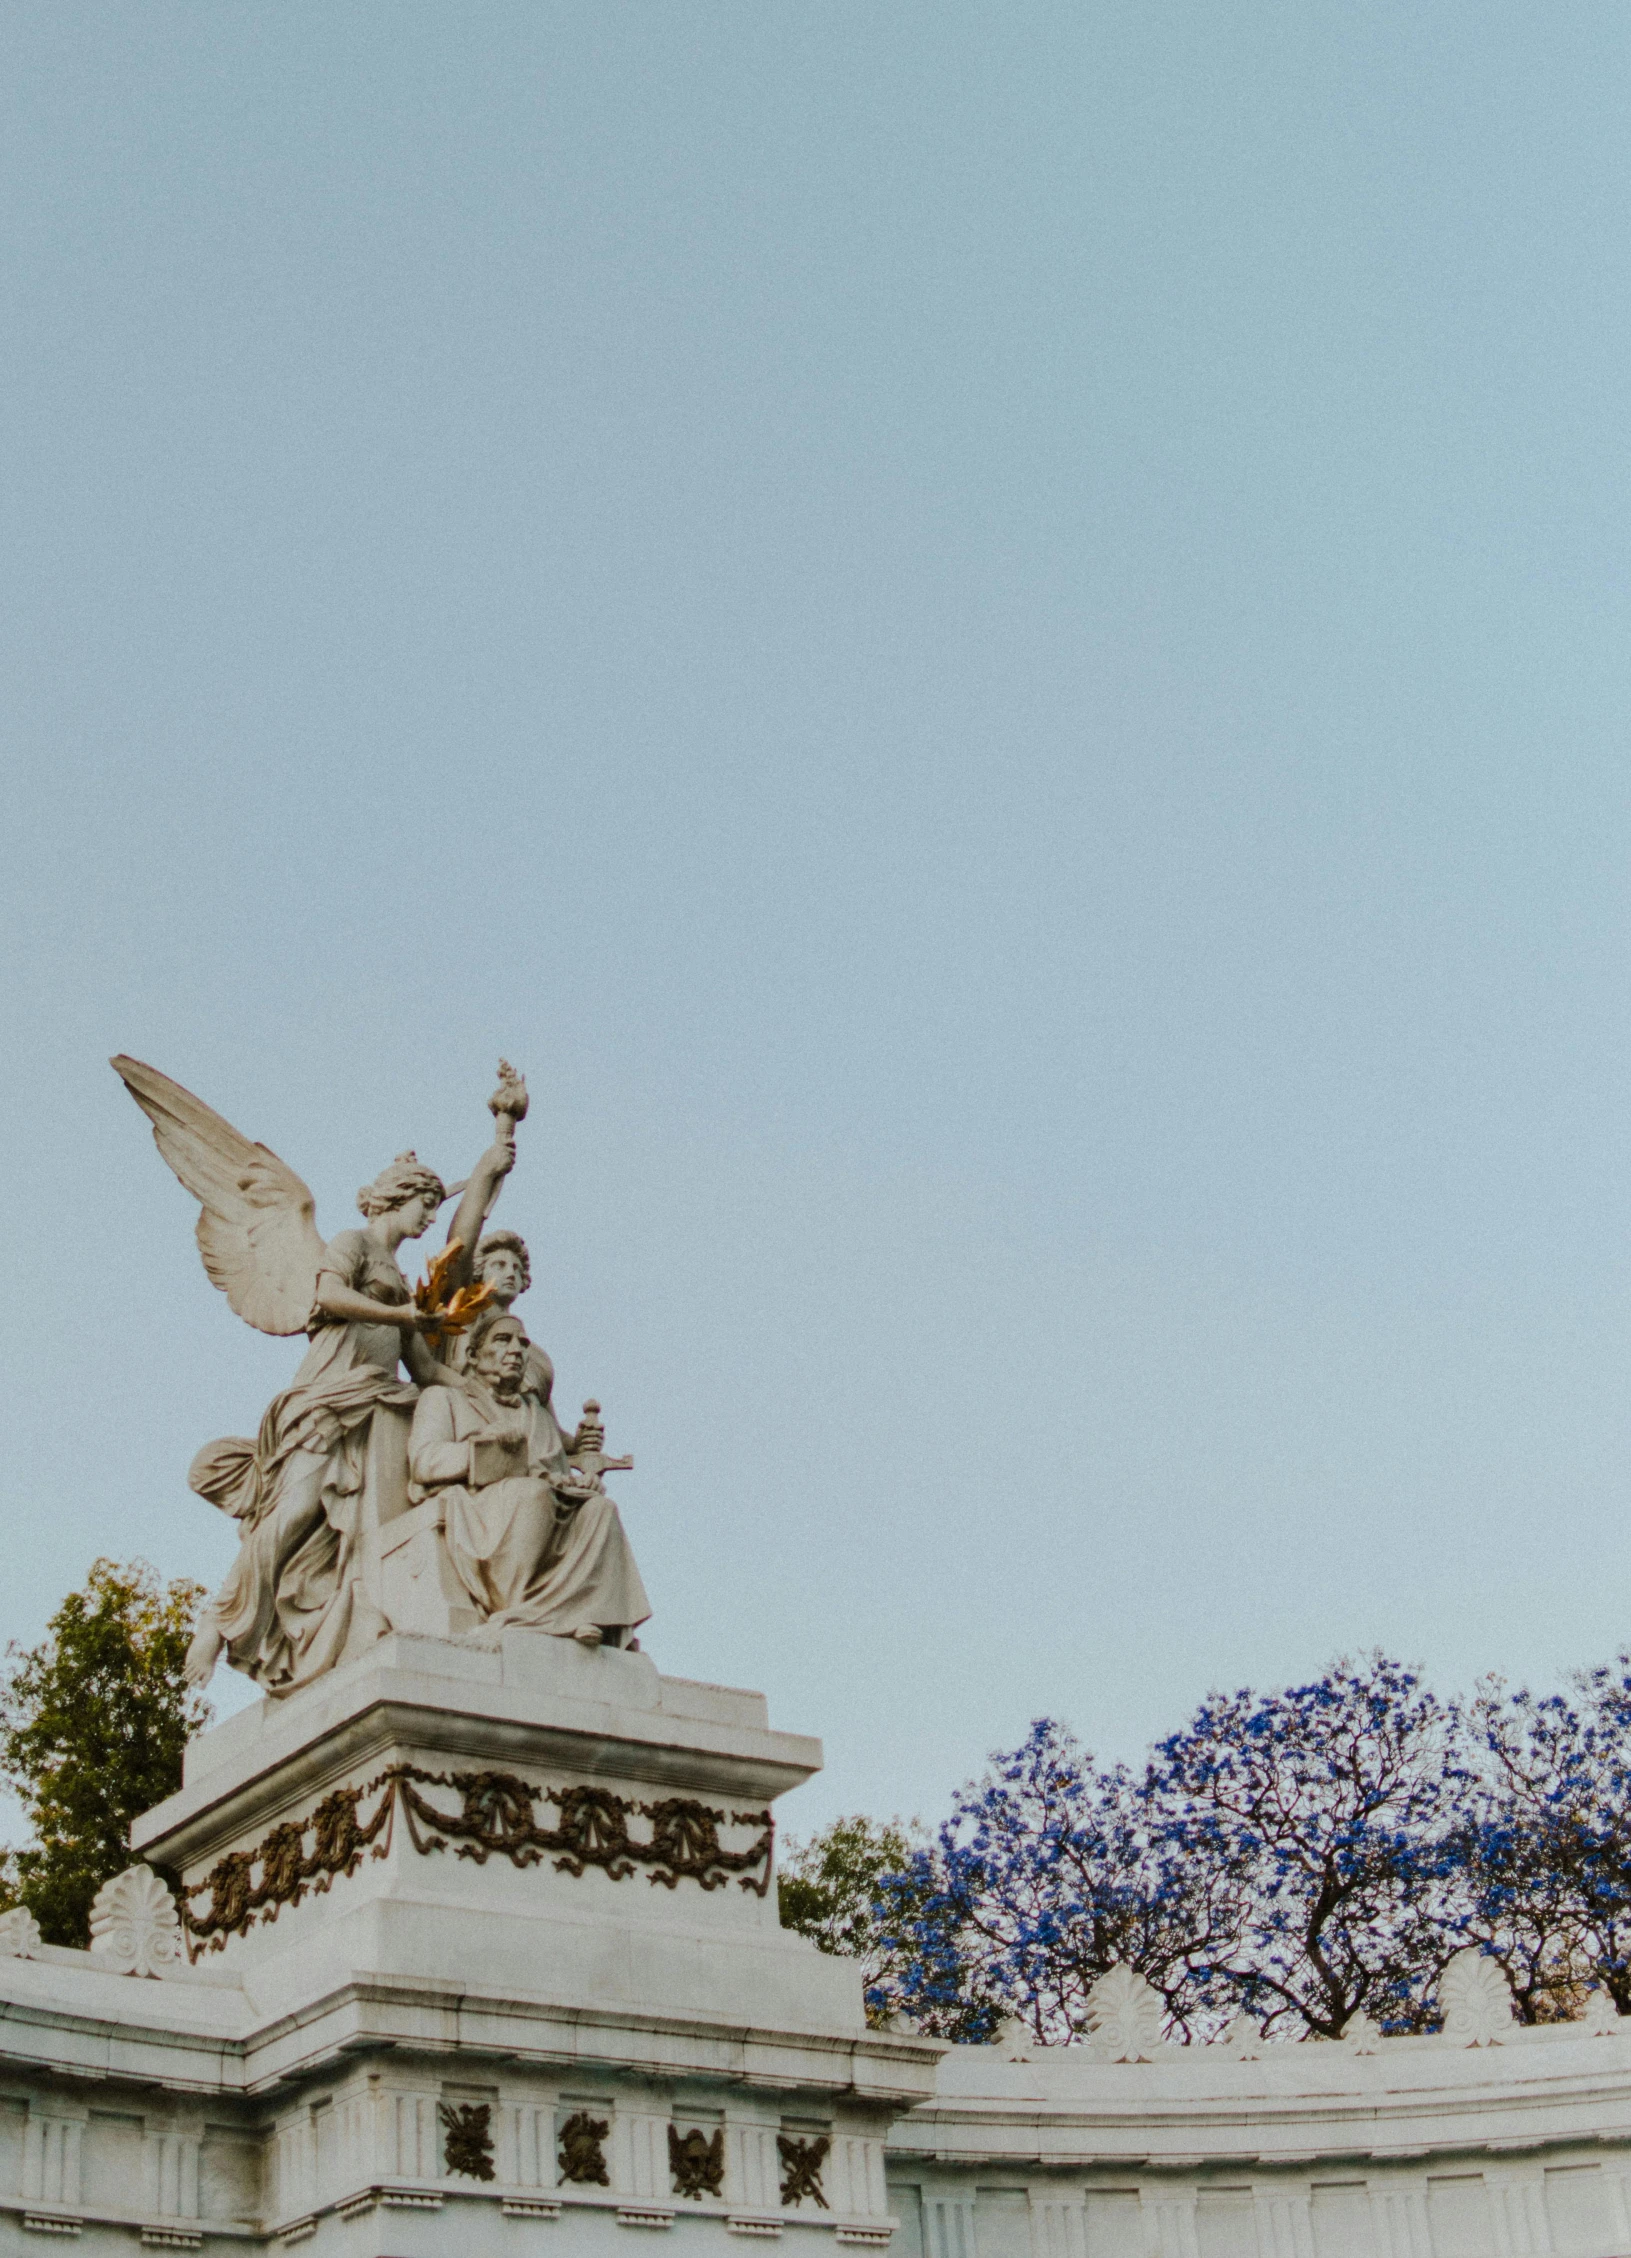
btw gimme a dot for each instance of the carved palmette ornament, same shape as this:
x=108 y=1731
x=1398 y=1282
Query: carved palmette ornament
x=1474 y=2000
x=1602 y=2017
x=19 y=1934
x=135 y=1928
x=1124 y=2016
x=1362 y=2032
x=1242 y=2041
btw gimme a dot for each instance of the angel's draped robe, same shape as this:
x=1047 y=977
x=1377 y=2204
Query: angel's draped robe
x=524 y=1556
x=291 y=1602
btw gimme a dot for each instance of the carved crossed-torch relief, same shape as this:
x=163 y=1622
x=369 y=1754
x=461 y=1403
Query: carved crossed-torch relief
x=467 y=2146
x=801 y=2169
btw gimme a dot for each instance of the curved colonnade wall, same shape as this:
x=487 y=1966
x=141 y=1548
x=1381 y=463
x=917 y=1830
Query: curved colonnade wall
x=1416 y=2148
x=136 y=2114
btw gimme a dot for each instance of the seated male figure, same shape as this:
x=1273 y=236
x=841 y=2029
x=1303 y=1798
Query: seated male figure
x=533 y=1538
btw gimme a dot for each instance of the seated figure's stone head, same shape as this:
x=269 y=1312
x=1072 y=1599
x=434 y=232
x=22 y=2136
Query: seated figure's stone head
x=501 y=1262
x=498 y=1352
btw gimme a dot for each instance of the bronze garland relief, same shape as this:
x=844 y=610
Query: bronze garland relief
x=498 y=1816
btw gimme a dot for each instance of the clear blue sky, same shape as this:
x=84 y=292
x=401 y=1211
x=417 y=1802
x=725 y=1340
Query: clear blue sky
x=994 y=642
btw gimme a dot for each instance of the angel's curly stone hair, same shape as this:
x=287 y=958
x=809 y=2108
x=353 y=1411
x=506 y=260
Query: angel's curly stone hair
x=513 y=1241
x=406 y=1177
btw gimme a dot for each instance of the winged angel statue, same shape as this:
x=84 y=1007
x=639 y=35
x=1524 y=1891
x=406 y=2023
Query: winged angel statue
x=530 y=1533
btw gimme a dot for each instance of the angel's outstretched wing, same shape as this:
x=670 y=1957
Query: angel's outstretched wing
x=257 y=1229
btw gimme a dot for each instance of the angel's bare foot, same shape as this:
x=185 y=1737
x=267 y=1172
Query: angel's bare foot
x=203 y=1653
x=587 y=1634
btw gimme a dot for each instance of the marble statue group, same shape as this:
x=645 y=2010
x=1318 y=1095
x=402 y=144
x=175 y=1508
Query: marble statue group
x=431 y=1397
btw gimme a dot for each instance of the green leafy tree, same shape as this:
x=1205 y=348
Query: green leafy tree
x=830 y=1889
x=93 y=1722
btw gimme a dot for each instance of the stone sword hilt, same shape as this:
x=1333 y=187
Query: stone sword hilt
x=597 y=1458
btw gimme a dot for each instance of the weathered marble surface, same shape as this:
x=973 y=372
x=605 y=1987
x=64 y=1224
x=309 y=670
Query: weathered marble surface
x=544 y=1710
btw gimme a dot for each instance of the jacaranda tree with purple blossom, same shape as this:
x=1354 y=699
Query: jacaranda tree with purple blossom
x=1543 y=1867
x=1302 y=1857
x=1328 y=1810
x=1049 y=1871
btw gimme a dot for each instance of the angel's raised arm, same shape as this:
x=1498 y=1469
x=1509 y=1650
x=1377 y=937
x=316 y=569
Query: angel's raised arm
x=476 y=1202
x=257 y=1225
x=507 y=1105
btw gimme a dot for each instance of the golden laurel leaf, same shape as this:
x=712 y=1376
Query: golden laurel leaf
x=451 y=1313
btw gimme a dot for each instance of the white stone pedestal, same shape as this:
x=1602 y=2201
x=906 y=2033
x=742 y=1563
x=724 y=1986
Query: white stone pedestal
x=545 y=1807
